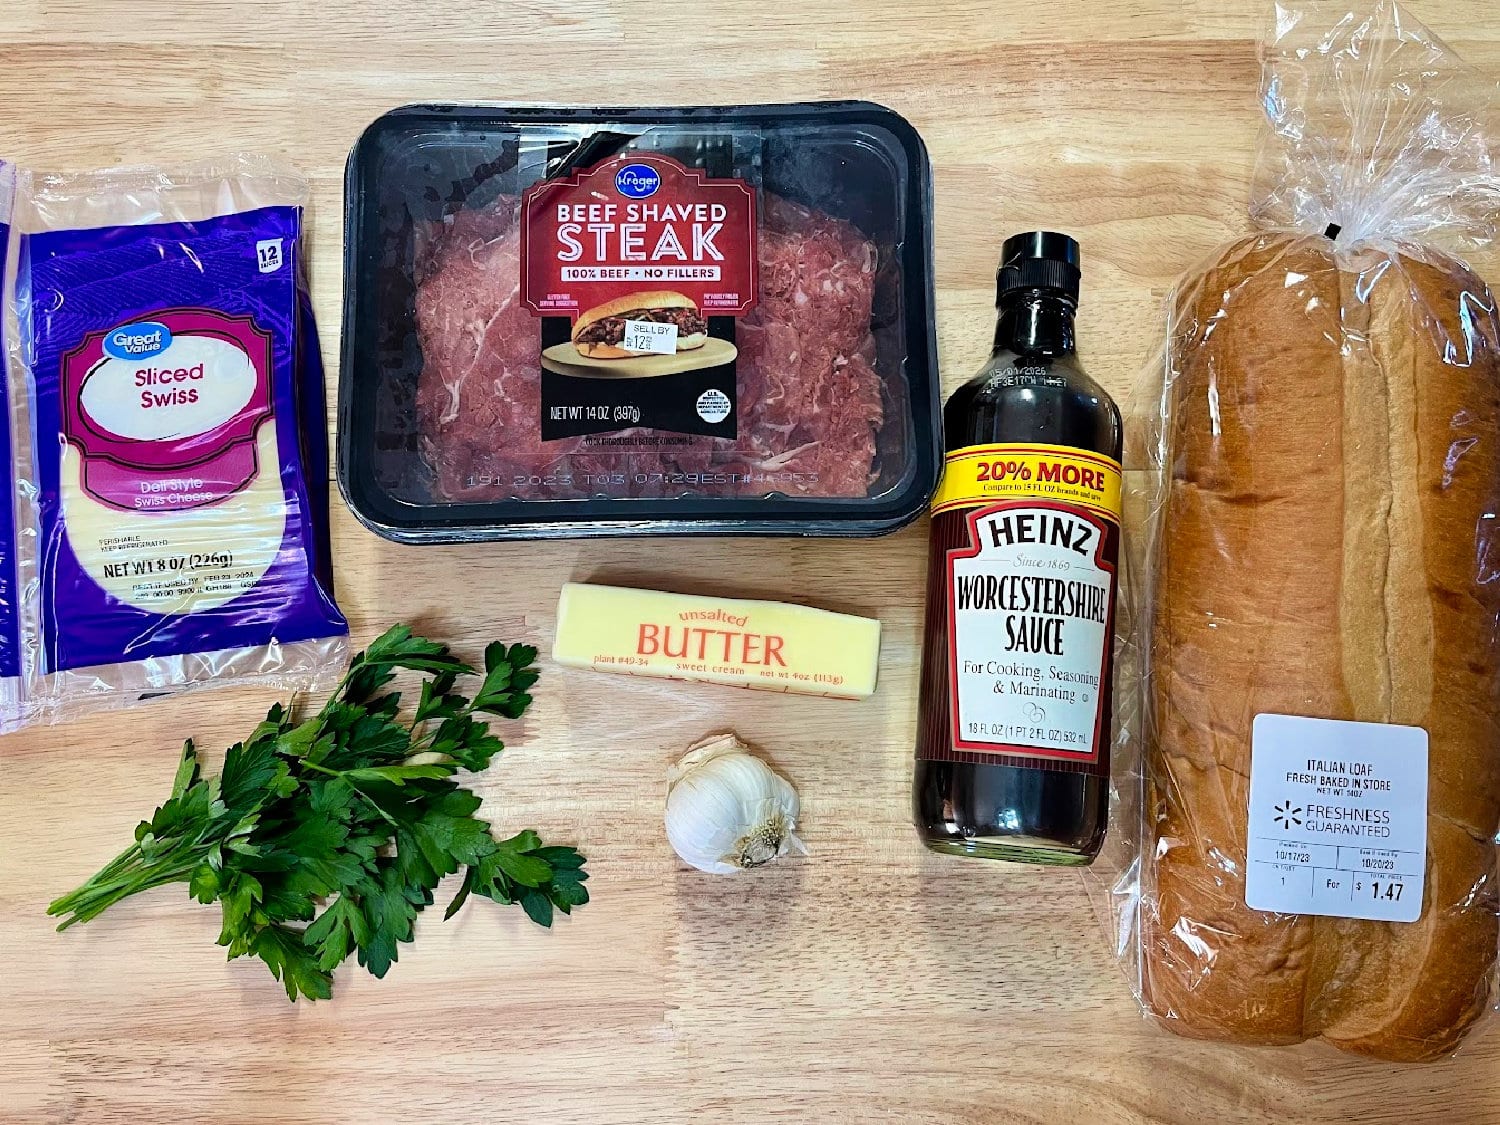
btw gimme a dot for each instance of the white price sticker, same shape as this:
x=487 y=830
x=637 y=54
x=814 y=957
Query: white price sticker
x=1338 y=818
x=648 y=336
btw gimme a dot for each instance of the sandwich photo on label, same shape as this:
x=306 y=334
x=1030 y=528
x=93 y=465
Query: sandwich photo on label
x=600 y=332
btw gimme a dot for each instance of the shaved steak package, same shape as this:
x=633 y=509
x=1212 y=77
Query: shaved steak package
x=659 y=320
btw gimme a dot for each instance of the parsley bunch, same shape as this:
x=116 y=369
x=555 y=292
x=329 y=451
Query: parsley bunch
x=330 y=834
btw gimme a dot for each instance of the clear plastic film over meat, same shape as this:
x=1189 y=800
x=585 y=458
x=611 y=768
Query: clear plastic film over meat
x=569 y=321
x=1310 y=720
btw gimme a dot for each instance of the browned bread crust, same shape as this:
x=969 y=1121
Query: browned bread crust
x=1325 y=551
x=632 y=302
x=645 y=299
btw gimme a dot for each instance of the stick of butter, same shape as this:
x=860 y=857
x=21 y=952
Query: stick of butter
x=751 y=644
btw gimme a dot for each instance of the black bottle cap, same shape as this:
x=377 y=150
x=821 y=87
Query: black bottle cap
x=1038 y=259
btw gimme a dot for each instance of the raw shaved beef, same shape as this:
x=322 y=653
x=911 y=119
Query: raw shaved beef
x=810 y=399
x=479 y=397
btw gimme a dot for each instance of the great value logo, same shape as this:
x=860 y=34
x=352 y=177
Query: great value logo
x=637 y=181
x=138 y=341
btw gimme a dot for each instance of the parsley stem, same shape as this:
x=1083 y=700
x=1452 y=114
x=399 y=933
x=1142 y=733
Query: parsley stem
x=96 y=896
x=429 y=732
x=358 y=791
x=119 y=863
x=111 y=870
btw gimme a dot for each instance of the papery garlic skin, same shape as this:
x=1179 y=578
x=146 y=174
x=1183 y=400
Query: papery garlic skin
x=728 y=811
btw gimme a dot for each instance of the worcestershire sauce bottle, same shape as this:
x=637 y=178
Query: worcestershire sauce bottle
x=1014 y=721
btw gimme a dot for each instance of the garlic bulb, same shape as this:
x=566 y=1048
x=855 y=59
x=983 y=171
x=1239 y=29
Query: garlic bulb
x=727 y=810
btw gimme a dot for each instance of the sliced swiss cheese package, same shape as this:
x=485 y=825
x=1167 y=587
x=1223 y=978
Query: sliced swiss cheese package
x=168 y=411
x=770 y=646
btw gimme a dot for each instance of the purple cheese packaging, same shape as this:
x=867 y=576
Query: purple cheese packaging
x=168 y=427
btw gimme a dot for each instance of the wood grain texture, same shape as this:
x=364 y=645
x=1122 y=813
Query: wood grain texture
x=872 y=981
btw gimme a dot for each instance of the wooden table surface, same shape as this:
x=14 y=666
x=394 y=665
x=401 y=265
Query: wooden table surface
x=872 y=981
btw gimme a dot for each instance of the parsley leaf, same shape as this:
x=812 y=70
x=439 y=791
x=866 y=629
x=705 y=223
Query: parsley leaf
x=293 y=963
x=327 y=835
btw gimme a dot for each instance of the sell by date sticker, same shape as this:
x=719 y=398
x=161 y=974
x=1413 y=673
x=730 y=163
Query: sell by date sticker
x=1338 y=818
x=650 y=337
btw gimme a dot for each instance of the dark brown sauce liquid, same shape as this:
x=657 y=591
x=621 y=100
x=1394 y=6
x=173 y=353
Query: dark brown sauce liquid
x=1031 y=391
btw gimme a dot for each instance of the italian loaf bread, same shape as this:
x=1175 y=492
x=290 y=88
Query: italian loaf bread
x=1329 y=548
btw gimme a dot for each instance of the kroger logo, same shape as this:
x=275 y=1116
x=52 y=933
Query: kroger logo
x=636 y=181
x=138 y=341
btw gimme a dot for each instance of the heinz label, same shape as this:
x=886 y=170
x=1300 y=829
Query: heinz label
x=637 y=268
x=1030 y=613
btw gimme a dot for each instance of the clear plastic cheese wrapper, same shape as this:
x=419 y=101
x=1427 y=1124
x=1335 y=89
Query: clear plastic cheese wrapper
x=1308 y=767
x=168 y=422
x=623 y=321
x=11 y=712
